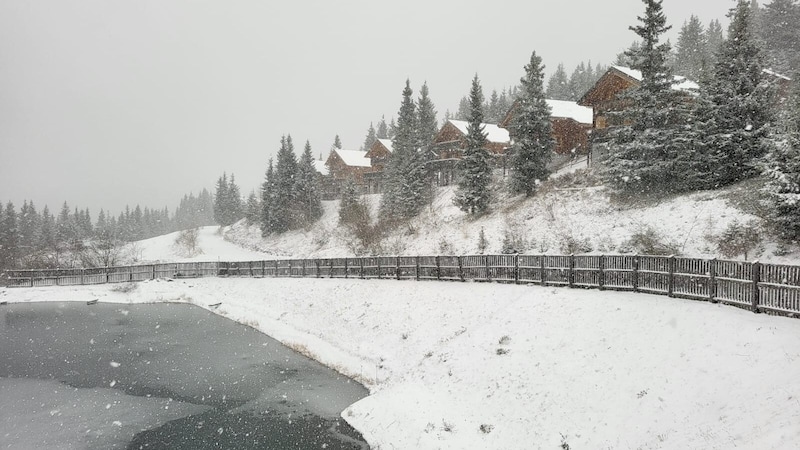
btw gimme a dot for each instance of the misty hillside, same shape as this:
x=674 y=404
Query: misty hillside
x=572 y=214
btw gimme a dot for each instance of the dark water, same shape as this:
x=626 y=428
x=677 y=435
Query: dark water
x=160 y=376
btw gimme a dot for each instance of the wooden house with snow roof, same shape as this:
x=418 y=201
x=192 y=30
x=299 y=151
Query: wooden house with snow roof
x=604 y=97
x=378 y=154
x=448 y=146
x=346 y=165
x=571 y=124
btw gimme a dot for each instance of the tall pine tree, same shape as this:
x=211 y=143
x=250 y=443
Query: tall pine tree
x=531 y=132
x=473 y=195
x=307 y=189
x=691 y=55
x=558 y=85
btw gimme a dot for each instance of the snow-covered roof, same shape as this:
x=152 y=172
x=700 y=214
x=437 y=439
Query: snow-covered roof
x=494 y=133
x=386 y=143
x=679 y=83
x=321 y=167
x=570 y=110
x=353 y=158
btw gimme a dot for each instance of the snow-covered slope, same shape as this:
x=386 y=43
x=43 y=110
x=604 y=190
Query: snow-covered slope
x=210 y=247
x=559 y=220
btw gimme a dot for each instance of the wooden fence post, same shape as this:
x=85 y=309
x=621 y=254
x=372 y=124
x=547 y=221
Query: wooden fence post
x=108 y=276
x=635 y=280
x=488 y=270
x=516 y=268
x=438 y=269
x=303 y=274
x=397 y=272
x=671 y=279
x=571 y=274
x=82 y=273
x=318 y=271
x=379 y=267
x=361 y=268
x=289 y=273
x=542 y=273
x=756 y=278
x=416 y=264
x=601 y=267
x=460 y=268
x=276 y=269
x=153 y=275
x=345 y=268
x=712 y=280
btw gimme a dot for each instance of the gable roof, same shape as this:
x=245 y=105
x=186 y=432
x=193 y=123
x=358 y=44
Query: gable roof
x=494 y=133
x=353 y=158
x=321 y=167
x=386 y=143
x=679 y=83
x=570 y=110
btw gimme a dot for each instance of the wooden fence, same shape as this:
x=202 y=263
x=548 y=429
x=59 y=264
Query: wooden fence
x=758 y=287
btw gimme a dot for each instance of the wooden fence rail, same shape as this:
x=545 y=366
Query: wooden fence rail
x=758 y=287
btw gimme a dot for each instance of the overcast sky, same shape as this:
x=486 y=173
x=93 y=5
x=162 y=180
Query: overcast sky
x=107 y=103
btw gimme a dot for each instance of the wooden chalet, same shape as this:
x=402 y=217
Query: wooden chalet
x=448 y=147
x=378 y=154
x=345 y=165
x=571 y=124
x=604 y=97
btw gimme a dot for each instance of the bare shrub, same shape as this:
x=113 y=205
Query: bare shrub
x=739 y=239
x=446 y=247
x=187 y=243
x=125 y=288
x=647 y=241
x=570 y=244
x=482 y=242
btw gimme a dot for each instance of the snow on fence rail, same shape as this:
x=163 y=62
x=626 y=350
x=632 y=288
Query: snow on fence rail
x=759 y=287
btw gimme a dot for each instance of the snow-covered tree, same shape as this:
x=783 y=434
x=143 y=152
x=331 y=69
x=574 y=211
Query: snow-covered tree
x=714 y=39
x=473 y=195
x=642 y=156
x=782 y=166
x=9 y=237
x=252 y=209
x=383 y=130
x=309 y=204
x=268 y=222
x=370 y=139
x=531 y=132
x=406 y=186
x=734 y=112
x=337 y=143
x=691 y=56
x=558 y=85
x=283 y=209
x=427 y=128
x=780 y=33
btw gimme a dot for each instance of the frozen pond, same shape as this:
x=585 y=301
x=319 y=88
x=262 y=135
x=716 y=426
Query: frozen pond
x=160 y=376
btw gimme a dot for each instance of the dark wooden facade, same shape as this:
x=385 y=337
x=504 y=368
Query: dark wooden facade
x=571 y=135
x=341 y=170
x=604 y=97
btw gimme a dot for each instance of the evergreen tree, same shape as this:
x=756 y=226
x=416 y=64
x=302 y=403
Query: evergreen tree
x=734 y=114
x=370 y=139
x=284 y=211
x=9 y=237
x=625 y=59
x=383 y=130
x=337 y=143
x=462 y=113
x=30 y=224
x=47 y=234
x=780 y=32
x=220 y=200
x=307 y=189
x=428 y=127
x=558 y=85
x=234 y=209
x=783 y=168
x=252 y=209
x=644 y=153
x=268 y=222
x=531 y=132
x=691 y=56
x=406 y=187
x=473 y=195
x=349 y=203
x=714 y=39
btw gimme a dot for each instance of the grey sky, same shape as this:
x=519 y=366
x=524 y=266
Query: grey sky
x=107 y=103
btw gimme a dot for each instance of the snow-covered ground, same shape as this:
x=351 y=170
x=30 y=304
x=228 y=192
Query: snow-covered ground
x=489 y=366
x=477 y=365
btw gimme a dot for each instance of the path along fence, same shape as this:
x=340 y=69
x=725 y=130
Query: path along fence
x=759 y=287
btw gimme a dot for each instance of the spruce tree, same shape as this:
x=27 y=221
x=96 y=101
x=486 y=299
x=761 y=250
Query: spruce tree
x=9 y=237
x=558 y=85
x=531 y=132
x=780 y=32
x=734 y=114
x=307 y=189
x=268 y=222
x=691 y=56
x=427 y=129
x=782 y=166
x=405 y=176
x=642 y=158
x=473 y=195
x=714 y=39
x=383 y=130
x=370 y=139
x=220 y=200
x=252 y=209
x=233 y=208
x=337 y=143
x=283 y=211
x=47 y=234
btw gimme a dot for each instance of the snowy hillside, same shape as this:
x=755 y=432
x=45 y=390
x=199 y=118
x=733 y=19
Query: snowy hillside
x=560 y=220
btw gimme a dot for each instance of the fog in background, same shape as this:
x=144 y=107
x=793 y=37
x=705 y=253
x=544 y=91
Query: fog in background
x=104 y=104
